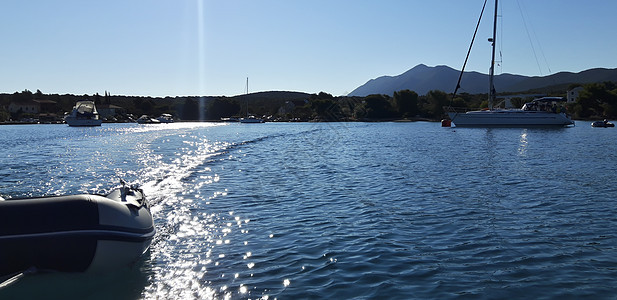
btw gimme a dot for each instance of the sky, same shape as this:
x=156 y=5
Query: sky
x=209 y=48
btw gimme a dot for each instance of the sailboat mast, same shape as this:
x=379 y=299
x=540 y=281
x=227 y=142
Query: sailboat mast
x=247 y=98
x=491 y=93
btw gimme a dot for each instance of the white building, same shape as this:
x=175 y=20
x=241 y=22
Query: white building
x=109 y=110
x=573 y=94
x=32 y=106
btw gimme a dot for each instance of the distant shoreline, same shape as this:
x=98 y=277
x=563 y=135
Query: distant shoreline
x=310 y=121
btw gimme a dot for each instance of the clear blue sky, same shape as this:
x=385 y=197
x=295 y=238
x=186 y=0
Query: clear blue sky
x=192 y=47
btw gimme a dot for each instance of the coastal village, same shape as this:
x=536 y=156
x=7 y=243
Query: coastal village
x=590 y=101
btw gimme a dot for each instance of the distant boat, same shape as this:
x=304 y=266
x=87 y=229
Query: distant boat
x=546 y=111
x=84 y=114
x=166 y=118
x=249 y=118
x=603 y=124
x=535 y=113
x=145 y=119
x=231 y=119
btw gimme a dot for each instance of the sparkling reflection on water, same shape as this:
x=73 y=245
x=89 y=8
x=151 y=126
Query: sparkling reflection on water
x=336 y=210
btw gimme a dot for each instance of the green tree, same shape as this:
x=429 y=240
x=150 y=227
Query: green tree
x=26 y=95
x=147 y=106
x=597 y=99
x=377 y=107
x=325 y=107
x=4 y=115
x=406 y=103
x=223 y=107
x=190 y=110
x=435 y=101
x=324 y=95
x=459 y=102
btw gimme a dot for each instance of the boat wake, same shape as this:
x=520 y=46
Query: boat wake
x=182 y=183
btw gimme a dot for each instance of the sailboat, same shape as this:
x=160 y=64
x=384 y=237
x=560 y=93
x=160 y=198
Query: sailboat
x=545 y=111
x=249 y=118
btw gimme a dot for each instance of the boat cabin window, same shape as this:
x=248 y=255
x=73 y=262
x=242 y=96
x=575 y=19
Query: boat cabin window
x=544 y=105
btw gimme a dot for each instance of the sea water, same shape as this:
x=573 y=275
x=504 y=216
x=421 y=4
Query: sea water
x=336 y=210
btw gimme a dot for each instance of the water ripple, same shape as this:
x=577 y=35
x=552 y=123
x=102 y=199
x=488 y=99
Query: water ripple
x=350 y=210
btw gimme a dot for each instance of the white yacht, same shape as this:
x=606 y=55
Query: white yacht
x=166 y=118
x=84 y=114
x=145 y=119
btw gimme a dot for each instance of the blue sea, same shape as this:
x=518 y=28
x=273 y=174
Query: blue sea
x=337 y=210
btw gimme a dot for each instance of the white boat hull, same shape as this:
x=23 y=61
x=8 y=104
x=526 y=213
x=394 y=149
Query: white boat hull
x=251 y=120
x=165 y=118
x=71 y=121
x=145 y=119
x=508 y=118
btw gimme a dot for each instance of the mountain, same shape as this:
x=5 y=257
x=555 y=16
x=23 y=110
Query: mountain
x=423 y=79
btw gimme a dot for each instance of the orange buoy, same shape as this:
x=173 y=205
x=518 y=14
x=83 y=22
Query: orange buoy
x=446 y=123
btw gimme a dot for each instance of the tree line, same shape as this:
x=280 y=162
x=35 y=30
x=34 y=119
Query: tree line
x=596 y=100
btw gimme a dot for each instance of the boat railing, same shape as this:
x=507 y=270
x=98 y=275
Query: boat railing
x=452 y=109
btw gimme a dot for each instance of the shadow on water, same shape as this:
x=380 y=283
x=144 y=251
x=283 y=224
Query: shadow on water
x=126 y=283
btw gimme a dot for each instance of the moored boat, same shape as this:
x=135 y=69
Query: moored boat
x=231 y=119
x=145 y=119
x=602 y=124
x=74 y=233
x=84 y=113
x=166 y=118
x=536 y=113
x=251 y=119
x=546 y=111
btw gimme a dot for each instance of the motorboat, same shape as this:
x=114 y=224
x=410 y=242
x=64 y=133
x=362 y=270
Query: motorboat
x=603 y=124
x=145 y=119
x=74 y=233
x=84 y=113
x=166 y=118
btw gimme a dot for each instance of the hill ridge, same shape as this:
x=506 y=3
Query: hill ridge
x=422 y=79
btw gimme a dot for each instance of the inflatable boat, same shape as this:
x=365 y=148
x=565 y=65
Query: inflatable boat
x=74 y=233
x=604 y=124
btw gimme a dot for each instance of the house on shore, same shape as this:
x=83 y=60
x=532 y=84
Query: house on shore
x=289 y=106
x=573 y=94
x=109 y=110
x=32 y=106
x=44 y=111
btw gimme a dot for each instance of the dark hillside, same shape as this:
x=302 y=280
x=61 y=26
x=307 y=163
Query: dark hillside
x=423 y=79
